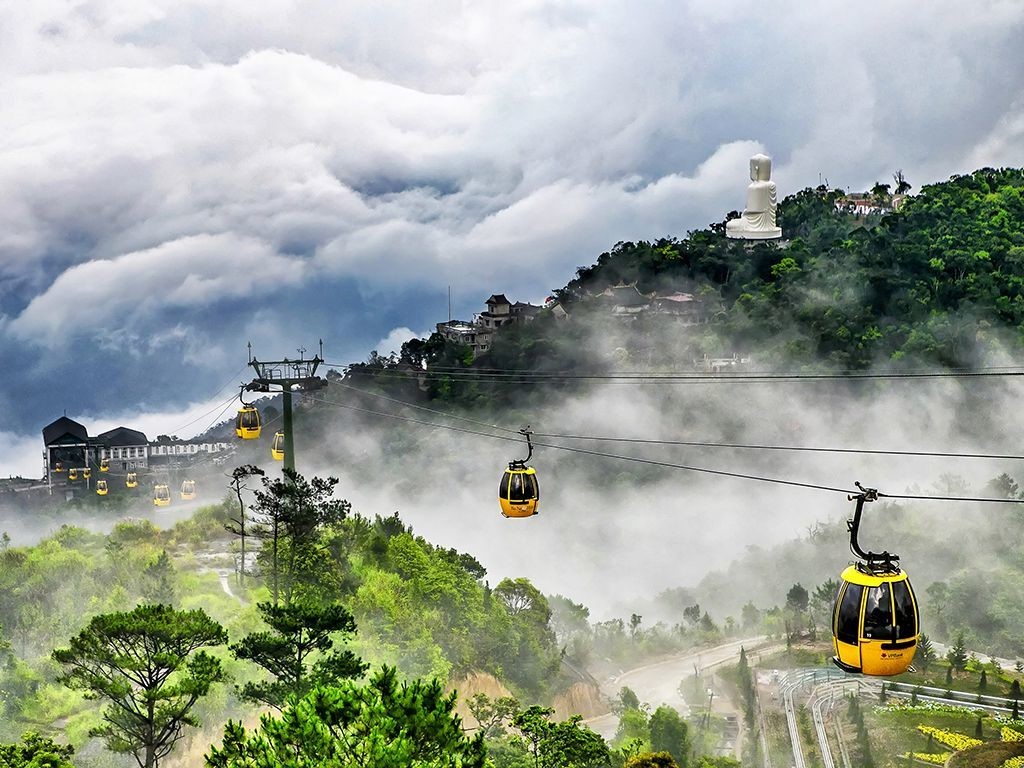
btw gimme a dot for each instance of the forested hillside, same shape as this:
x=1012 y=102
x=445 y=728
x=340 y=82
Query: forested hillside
x=940 y=281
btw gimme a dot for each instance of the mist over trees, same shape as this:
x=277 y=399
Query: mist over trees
x=329 y=595
x=939 y=281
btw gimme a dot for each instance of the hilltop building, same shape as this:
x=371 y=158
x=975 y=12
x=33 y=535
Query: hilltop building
x=627 y=301
x=478 y=334
x=865 y=203
x=126 y=449
x=68 y=446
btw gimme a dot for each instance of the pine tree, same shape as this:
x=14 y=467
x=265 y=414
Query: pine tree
x=147 y=664
x=957 y=655
x=300 y=633
x=983 y=682
x=158 y=580
x=384 y=723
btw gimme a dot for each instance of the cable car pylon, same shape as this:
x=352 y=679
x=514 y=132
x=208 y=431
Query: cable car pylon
x=289 y=375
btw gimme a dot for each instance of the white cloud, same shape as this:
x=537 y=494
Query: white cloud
x=160 y=161
x=120 y=293
x=21 y=455
x=392 y=343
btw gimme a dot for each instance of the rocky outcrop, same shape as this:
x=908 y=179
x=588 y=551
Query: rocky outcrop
x=581 y=699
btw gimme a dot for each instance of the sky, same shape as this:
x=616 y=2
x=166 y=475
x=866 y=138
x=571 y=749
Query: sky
x=181 y=178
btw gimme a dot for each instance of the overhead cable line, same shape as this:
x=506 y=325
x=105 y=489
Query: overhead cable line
x=426 y=409
x=652 y=462
x=802 y=448
x=539 y=377
x=916 y=497
x=987 y=369
x=219 y=390
x=222 y=405
x=693 y=443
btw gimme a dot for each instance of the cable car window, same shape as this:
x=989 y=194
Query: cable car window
x=849 y=614
x=878 y=613
x=503 y=488
x=516 y=492
x=536 y=487
x=903 y=603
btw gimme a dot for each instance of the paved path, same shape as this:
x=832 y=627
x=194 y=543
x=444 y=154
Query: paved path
x=658 y=683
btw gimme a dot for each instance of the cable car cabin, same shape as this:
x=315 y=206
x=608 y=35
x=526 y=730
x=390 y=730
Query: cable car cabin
x=247 y=423
x=72 y=474
x=188 y=490
x=874 y=623
x=58 y=466
x=277 y=449
x=104 y=465
x=101 y=487
x=87 y=473
x=131 y=481
x=161 y=496
x=519 y=491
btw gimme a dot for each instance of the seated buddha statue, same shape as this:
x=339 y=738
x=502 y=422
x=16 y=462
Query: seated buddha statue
x=758 y=219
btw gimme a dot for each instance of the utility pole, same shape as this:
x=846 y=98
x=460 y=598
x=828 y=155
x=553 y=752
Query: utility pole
x=288 y=375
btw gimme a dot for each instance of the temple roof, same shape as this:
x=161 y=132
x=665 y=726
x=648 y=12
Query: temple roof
x=64 y=430
x=123 y=436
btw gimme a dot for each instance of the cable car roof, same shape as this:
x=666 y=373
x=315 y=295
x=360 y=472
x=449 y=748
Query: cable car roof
x=856 y=576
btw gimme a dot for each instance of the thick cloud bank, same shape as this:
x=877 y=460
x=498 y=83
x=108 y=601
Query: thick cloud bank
x=180 y=178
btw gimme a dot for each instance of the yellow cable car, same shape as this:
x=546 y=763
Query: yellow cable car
x=104 y=465
x=72 y=474
x=58 y=466
x=875 y=623
x=161 y=496
x=101 y=487
x=188 y=490
x=277 y=449
x=131 y=481
x=87 y=473
x=247 y=423
x=519 y=491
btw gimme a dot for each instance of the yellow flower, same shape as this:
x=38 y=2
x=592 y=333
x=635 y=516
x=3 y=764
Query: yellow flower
x=952 y=740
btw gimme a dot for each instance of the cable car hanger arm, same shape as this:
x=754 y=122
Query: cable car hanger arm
x=874 y=561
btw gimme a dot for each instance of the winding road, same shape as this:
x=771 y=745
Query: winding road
x=658 y=683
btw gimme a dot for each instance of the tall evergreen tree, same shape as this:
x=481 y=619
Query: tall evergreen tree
x=158 y=580
x=383 y=723
x=669 y=733
x=147 y=665
x=300 y=633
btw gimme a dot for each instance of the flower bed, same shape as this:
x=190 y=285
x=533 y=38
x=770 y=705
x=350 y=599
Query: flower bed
x=955 y=741
x=936 y=758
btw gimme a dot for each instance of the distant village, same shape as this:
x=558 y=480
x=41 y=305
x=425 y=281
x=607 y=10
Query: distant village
x=74 y=461
x=624 y=300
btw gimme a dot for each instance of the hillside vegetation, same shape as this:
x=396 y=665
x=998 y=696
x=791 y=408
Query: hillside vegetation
x=938 y=282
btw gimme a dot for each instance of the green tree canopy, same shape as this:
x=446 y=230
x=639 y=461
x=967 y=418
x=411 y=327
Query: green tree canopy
x=298 y=632
x=383 y=723
x=288 y=513
x=146 y=664
x=565 y=744
x=35 y=751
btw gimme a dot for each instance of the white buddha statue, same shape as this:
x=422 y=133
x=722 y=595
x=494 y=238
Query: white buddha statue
x=758 y=219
